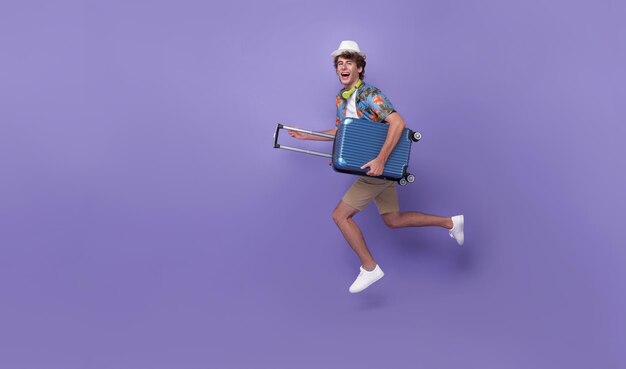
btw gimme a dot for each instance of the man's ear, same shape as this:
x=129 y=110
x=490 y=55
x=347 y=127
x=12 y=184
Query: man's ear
x=360 y=70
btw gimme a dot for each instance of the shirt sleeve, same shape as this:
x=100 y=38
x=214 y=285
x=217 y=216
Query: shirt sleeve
x=380 y=104
x=338 y=103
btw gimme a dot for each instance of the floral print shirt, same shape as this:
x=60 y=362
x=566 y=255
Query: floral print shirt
x=371 y=104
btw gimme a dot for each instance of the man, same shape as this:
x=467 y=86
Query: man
x=361 y=100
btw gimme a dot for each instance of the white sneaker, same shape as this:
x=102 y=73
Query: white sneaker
x=457 y=228
x=365 y=279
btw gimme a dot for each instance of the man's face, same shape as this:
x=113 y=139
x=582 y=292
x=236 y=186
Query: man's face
x=347 y=71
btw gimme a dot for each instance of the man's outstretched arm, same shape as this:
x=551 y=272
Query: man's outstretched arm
x=306 y=136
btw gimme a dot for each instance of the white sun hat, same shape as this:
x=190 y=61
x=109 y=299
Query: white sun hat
x=347 y=45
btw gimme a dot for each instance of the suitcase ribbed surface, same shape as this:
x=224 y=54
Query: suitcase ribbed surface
x=359 y=141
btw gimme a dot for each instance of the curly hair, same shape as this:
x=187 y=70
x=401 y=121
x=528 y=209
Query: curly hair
x=356 y=57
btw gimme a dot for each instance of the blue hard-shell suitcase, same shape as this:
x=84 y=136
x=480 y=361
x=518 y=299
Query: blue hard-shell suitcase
x=357 y=142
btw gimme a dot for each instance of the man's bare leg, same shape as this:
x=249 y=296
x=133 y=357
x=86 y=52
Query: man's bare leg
x=415 y=219
x=342 y=215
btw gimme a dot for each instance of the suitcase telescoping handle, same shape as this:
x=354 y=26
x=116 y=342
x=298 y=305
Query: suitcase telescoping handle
x=278 y=146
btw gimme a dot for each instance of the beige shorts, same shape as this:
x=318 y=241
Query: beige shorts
x=366 y=189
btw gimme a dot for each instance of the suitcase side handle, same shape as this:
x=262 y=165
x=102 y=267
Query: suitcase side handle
x=310 y=152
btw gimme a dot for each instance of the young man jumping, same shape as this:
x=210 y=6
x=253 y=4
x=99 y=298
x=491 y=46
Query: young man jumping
x=360 y=100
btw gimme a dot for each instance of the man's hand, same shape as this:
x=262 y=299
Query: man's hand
x=376 y=167
x=298 y=135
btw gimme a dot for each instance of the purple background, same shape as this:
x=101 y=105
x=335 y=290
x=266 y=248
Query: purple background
x=146 y=222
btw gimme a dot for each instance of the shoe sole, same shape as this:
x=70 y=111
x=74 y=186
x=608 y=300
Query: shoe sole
x=462 y=231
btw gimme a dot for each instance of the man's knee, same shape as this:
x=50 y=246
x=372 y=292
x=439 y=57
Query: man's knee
x=392 y=220
x=338 y=217
x=341 y=214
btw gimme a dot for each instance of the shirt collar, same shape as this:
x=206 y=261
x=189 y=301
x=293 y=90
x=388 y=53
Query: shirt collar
x=357 y=91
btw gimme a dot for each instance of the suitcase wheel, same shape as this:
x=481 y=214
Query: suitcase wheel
x=416 y=136
x=402 y=181
x=410 y=178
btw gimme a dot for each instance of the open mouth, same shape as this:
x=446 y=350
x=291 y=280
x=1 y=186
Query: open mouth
x=345 y=74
